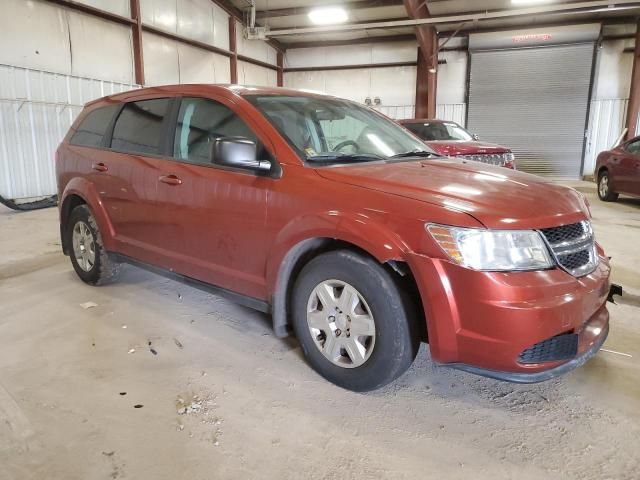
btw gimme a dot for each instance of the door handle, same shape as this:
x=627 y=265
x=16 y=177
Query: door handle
x=99 y=167
x=170 y=180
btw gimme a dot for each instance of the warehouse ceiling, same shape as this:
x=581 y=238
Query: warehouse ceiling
x=286 y=14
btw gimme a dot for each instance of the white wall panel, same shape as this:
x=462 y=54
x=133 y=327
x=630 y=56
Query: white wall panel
x=613 y=77
x=120 y=7
x=360 y=83
x=160 y=13
x=452 y=78
x=220 y=27
x=100 y=49
x=199 y=20
x=256 y=49
x=40 y=39
x=200 y=66
x=455 y=112
x=250 y=74
x=351 y=55
x=402 y=80
x=36 y=110
x=160 y=60
x=304 y=81
x=397 y=112
x=195 y=20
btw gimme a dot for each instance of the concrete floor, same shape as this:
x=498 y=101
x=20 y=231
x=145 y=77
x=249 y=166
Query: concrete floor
x=222 y=398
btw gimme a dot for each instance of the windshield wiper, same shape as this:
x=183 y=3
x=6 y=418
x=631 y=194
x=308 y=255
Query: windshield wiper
x=416 y=153
x=346 y=157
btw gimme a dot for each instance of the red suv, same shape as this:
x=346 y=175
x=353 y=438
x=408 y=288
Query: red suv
x=342 y=225
x=618 y=171
x=450 y=139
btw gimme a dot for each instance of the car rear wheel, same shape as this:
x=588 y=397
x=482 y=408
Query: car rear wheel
x=354 y=325
x=89 y=258
x=605 y=192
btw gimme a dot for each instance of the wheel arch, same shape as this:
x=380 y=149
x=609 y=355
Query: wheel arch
x=80 y=191
x=303 y=251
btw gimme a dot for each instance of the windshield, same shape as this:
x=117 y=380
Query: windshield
x=334 y=130
x=437 y=131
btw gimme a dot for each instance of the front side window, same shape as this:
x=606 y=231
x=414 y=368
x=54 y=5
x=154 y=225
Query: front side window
x=439 y=131
x=93 y=127
x=139 y=127
x=331 y=129
x=200 y=123
x=633 y=147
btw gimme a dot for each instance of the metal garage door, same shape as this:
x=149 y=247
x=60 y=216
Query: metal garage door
x=534 y=100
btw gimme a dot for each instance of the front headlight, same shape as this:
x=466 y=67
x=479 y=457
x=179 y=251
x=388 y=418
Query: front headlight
x=496 y=250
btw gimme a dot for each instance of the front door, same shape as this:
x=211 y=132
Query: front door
x=213 y=219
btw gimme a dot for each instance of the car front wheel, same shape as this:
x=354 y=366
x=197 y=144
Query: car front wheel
x=605 y=192
x=354 y=325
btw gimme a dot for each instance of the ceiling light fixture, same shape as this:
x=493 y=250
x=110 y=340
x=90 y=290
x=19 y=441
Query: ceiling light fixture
x=328 y=15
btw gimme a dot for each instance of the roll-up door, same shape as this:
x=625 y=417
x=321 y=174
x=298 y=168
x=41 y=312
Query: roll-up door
x=534 y=100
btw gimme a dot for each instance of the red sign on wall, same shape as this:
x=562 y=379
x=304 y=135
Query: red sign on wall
x=531 y=37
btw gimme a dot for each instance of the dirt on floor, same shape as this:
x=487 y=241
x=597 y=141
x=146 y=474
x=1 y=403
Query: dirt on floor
x=150 y=379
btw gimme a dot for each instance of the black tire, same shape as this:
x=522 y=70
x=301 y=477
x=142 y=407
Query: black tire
x=396 y=338
x=104 y=268
x=605 y=190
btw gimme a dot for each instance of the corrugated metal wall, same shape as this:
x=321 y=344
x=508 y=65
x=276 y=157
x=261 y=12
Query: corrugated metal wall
x=606 y=122
x=36 y=110
x=455 y=112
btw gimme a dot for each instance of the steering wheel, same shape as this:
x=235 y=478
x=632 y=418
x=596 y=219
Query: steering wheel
x=347 y=143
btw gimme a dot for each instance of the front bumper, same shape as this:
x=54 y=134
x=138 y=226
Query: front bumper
x=482 y=321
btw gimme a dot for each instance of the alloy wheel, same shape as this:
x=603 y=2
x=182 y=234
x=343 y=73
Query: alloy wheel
x=84 y=246
x=341 y=323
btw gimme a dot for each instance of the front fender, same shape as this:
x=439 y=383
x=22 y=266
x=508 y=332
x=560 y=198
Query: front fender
x=356 y=229
x=87 y=191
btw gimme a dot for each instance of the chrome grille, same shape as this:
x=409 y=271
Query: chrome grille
x=500 y=159
x=573 y=247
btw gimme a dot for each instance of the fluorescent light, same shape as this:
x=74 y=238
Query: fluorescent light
x=328 y=15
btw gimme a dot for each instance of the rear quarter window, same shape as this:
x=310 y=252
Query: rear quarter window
x=93 y=127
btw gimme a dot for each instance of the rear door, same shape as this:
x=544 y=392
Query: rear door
x=212 y=219
x=133 y=163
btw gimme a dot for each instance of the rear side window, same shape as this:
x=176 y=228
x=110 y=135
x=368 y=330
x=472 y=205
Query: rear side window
x=200 y=123
x=139 y=127
x=92 y=129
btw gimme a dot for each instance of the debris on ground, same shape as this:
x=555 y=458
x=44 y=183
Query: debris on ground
x=138 y=405
x=151 y=349
x=123 y=393
x=87 y=305
x=178 y=343
x=132 y=350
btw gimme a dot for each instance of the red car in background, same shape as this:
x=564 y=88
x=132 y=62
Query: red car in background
x=450 y=139
x=618 y=171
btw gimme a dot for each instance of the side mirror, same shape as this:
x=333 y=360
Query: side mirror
x=475 y=137
x=238 y=152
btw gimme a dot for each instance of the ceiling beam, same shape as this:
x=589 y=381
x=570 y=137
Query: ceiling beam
x=548 y=9
x=350 y=6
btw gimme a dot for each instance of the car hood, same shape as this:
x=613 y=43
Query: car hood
x=460 y=147
x=495 y=196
